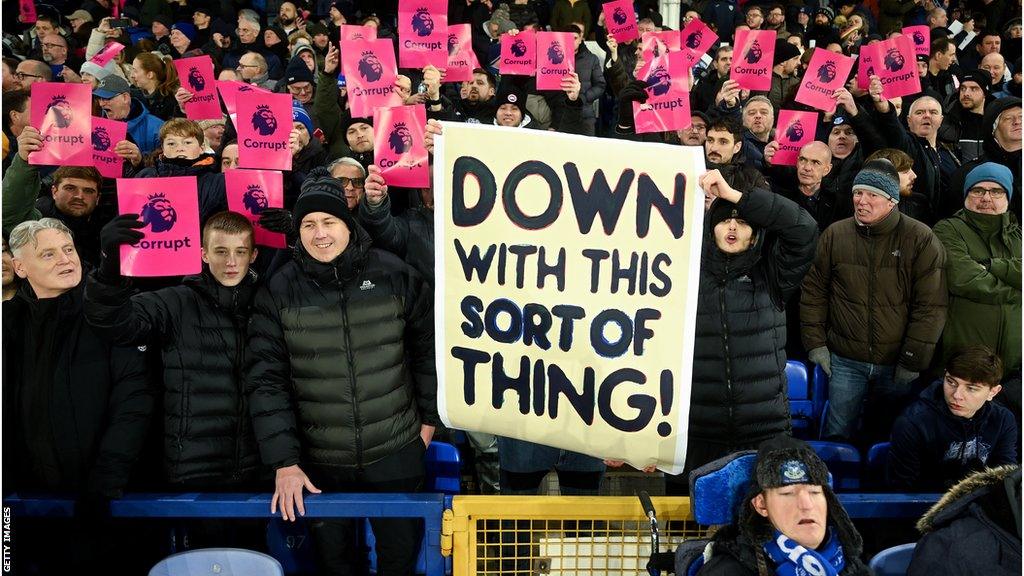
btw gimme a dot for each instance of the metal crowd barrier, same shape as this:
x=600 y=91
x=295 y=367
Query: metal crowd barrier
x=484 y=535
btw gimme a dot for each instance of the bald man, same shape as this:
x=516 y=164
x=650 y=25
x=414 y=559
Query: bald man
x=804 y=184
x=55 y=52
x=29 y=72
x=995 y=64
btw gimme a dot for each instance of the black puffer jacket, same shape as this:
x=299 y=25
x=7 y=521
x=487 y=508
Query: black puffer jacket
x=201 y=328
x=341 y=364
x=209 y=181
x=739 y=359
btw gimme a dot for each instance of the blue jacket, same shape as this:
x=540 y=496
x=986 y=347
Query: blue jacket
x=932 y=449
x=143 y=127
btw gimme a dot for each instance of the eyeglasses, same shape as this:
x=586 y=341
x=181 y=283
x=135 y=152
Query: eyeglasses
x=355 y=182
x=995 y=193
x=240 y=66
x=22 y=75
x=301 y=90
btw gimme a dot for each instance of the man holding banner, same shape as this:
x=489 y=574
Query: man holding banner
x=341 y=377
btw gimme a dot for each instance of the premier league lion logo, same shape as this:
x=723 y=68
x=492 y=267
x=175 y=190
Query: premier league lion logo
x=400 y=139
x=159 y=214
x=100 y=139
x=659 y=81
x=263 y=120
x=555 y=53
x=754 y=53
x=827 y=72
x=918 y=38
x=795 y=131
x=518 y=48
x=370 y=67
x=619 y=16
x=453 y=44
x=63 y=115
x=196 y=80
x=422 y=23
x=693 y=40
x=894 y=60
x=255 y=199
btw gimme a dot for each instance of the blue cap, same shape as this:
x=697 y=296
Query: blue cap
x=990 y=172
x=111 y=86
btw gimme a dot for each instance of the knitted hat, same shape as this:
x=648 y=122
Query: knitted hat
x=99 y=72
x=879 y=177
x=784 y=460
x=187 y=29
x=994 y=109
x=321 y=192
x=166 y=21
x=826 y=11
x=784 y=51
x=299 y=114
x=990 y=172
x=510 y=94
x=297 y=71
x=348 y=122
x=979 y=77
x=279 y=32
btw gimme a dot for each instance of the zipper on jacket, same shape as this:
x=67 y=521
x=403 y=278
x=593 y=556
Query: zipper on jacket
x=725 y=342
x=871 y=297
x=351 y=371
x=236 y=474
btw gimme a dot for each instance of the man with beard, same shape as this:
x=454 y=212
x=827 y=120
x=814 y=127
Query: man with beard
x=722 y=151
x=822 y=32
x=359 y=137
x=1002 y=123
x=962 y=125
x=55 y=53
x=478 y=105
x=75 y=408
x=288 y=18
x=934 y=163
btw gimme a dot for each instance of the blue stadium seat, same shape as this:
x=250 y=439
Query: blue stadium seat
x=801 y=408
x=843 y=462
x=444 y=474
x=893 y=561
x=219 y=562
x=877 y=456
x=292 y=545
x=444 y=468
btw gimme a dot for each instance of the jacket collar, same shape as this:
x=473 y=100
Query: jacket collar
x=882 y=228
x=342 y=269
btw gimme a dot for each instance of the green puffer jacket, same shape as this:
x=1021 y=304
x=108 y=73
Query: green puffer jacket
x=983 y=274
x=341 y=359
x=876 y=293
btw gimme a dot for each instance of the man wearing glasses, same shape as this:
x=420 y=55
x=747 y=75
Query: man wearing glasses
x=31 y=71
x=352 y=177
x=55 y=53
x=252 y=69
x=248 y=32
x=983 y=267
x=1002 y=145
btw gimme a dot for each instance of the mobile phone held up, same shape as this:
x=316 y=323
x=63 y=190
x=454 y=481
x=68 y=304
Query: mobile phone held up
x=120 y=23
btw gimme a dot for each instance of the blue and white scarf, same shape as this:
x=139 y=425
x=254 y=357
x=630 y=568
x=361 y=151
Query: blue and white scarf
x=792 y=559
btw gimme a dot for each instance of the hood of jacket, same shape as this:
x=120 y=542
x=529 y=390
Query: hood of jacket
x=721 y=265
x=961 y=496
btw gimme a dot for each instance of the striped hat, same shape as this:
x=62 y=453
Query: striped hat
x=879 y=177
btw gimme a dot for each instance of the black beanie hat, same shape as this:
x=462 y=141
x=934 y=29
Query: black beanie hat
x=322 y=192
x=784 y=460
x=297 y=71
x=784 y=51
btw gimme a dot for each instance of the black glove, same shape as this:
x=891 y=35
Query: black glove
x=121 y=230
x=277 y=220
x=635 y=91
